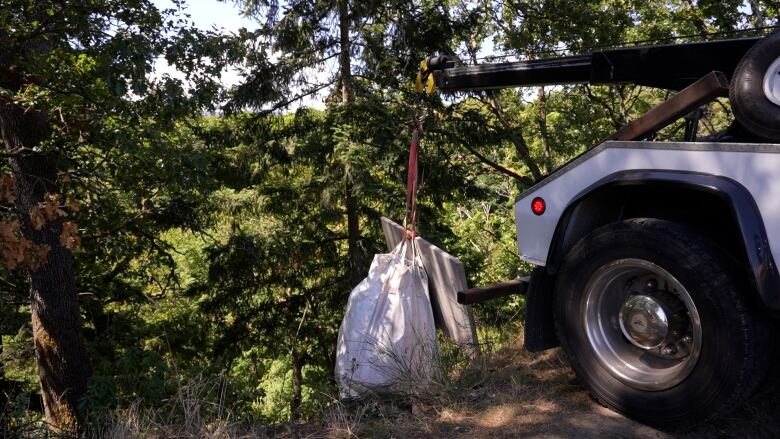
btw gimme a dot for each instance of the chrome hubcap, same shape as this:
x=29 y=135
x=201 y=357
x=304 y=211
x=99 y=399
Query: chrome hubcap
x=772 y=82
x=643 y=321
x=642 y=324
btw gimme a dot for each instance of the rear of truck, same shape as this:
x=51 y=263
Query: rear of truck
x=655 y=261
x=656 y=265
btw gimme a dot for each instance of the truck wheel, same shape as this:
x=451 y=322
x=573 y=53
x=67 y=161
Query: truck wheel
x=755 y=89
x=655 y=322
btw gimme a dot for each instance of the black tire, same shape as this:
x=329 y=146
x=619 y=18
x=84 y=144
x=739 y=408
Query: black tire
x=735 y=344
x=753 y=110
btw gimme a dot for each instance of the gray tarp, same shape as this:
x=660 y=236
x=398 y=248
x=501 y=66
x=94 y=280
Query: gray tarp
x=446 y=277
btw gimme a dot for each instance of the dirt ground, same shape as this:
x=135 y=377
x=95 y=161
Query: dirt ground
x=524 y=395
x=556 y=406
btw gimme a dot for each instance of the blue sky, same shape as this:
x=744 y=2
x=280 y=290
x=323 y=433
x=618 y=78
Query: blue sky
x=208 y=13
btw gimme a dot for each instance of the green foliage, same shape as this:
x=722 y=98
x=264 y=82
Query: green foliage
x=18 y=359
x=217 y=245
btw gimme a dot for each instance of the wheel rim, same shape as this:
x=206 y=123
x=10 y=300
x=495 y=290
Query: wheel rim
x=772 y=82
x=641 y=324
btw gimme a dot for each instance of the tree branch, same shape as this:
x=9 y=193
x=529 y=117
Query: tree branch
x=517 y=139
x=521 y=178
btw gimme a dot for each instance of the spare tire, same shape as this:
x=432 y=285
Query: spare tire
x=755 y=90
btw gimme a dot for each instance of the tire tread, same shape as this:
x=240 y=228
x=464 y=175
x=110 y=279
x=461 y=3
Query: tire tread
x=703 y=257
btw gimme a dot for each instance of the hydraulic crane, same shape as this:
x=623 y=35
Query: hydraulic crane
x=654 y=261
x=701 y=70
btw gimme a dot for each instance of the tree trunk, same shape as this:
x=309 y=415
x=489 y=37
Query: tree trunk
x=295 y=402
x=521 y=146
x=697 y=21
x=758 y=16
x=4 y=391
x=63 y=366
x=345 y=60
x=347 y=96
x=543 y=129
x=353 y=235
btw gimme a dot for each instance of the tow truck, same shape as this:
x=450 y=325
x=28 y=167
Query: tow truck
x=655 y=261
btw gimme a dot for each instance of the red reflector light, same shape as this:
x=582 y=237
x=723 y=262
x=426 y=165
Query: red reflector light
x=538 y=206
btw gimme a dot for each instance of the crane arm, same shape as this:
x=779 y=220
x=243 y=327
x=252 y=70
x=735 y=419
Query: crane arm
x=669 y=66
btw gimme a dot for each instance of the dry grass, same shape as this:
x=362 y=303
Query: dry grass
x=189 y=414
x=513 y=393
x=496 y=395
x=508 y=393
x=341 y=421
x=410 y=373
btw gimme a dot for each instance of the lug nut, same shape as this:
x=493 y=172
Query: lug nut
x=651 y=284
x=687 y=339
x=669 y=349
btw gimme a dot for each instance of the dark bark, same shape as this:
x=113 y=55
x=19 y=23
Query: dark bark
x=758 y=16
x=4 y=392
x=353 y=232
x=615 y=118
x=347 y=96
x=528 y=181
x=543 y=129
x=697 y=21
x=345 y=63
x=521 y=147
x=63 y=366
x=297 y=367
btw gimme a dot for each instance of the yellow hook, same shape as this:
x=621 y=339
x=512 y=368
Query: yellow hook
x=424 y=82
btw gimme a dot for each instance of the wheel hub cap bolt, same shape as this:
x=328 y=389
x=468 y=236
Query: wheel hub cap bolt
x=669 y=349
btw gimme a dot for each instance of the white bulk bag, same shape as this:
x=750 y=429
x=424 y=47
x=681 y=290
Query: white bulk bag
x=387 y=340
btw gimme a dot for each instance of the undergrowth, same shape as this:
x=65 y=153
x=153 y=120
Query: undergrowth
x=200 y=408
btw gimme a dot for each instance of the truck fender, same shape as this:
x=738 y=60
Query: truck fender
x=755 y=244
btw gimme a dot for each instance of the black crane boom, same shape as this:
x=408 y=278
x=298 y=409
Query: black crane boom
x=668 y=66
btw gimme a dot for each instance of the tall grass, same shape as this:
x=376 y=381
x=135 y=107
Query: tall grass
x=449 y=380
x=198 y=410
x=436 y=376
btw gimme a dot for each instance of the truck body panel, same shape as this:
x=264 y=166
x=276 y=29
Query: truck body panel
x=754 y=166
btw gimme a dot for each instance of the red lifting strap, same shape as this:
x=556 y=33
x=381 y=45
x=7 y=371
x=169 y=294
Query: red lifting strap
x=411 y=182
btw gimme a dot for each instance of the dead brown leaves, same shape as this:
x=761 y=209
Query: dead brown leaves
x=47 y=210
x=7 y=193
x=69 y=237
x=18 y=251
